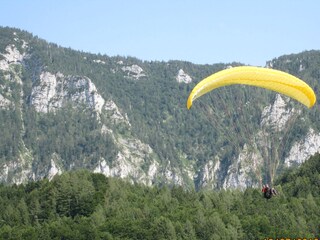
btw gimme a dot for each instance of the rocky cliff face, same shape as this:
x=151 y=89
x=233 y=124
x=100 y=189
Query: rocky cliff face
x=19 y=170
x=183 y=77
x=133 y=72
x=11 y=57
x=136 y=160
x=248 y=167
x=53 y=90
x=303 y=149
x=49 y=93
x=277 y=115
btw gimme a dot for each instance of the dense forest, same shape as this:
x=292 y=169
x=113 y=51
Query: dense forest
x=82 y=205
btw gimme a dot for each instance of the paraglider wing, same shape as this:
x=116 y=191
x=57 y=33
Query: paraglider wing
x=275 y=80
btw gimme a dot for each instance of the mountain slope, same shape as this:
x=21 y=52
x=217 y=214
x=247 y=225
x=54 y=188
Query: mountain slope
x=62 y=109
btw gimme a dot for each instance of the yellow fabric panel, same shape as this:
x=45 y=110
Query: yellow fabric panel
x=256 y=76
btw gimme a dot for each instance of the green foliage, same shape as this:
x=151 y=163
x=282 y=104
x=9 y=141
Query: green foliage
x=83 y=205
x=302 y=181
x=10 y=128
x=73 y=135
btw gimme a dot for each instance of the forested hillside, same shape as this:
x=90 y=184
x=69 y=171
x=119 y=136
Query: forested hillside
x=82 y=205
x=63 y=110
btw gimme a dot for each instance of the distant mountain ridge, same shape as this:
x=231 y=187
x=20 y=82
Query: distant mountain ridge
x=62 y=110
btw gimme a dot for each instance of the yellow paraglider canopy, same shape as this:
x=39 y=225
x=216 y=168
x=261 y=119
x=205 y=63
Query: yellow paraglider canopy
x=275 y=80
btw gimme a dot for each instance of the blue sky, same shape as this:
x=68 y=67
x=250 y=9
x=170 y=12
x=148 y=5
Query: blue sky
x=200 y=31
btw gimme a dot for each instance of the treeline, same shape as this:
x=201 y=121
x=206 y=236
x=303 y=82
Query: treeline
x=83 y=205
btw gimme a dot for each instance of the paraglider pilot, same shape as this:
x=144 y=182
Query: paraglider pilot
x=268 y=192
